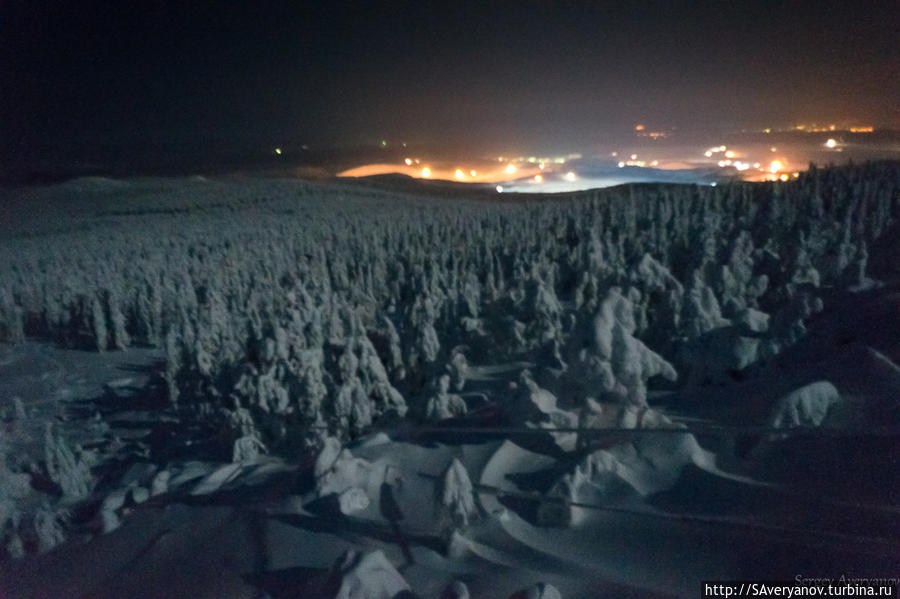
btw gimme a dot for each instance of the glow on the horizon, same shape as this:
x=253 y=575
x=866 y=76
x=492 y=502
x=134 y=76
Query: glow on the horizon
x=510 y=168
x=426 y=172
x=459 y=174
x=570 y=176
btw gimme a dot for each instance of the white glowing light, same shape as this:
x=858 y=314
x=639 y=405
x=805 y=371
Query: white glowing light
x=831 y=143
x=459 y=174
x=570 y=176
x=408 y=161
x=729 y=154
x=708 y=153
x=426 y=172
x=538 y=179
x=614 y=154
x=721 y=164
x=473 y=173
x=775 y=166
x=784 y=177
x=499 y=189
x=621 y=164
x=654 y=163
x=634 y=156
x=510 y=168
x=773 y=149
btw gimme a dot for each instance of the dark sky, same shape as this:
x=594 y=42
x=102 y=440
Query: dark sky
x=82 y=73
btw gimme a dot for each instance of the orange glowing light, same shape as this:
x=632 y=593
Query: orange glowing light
x=459 y=174
x=510 y=168
x=639 y=128
x=538 y=179
x=426 y=172
x=783 y=177
x=473 y=173
x=775 y=166
x=831 y=143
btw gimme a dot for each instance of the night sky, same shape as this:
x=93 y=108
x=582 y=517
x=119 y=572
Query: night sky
x=483 y=74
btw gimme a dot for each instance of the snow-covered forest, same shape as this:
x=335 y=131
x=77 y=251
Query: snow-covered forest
x=294 y=321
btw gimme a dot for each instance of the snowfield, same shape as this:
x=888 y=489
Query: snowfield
x=248 y=387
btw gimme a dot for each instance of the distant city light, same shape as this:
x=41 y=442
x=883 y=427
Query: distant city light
x=654 y=163
x=538 y=179
x=729 y=154
x=831 y=143
x=721 y=163
x=408 y=161
x=278 y=151
x=499 y=189
x=783 y=177
x=621 y=164
x=634 y=156
x=383 y=143
x=773 y=149
x=708 y=153
x=510 y=168
x=775 y=166
x=426 y=172
x=459 y=174
x=473 y=173
x=570 y=176
x=614 y=154
x=639 y=128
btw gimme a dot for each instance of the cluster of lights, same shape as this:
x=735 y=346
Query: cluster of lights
x=815 y=128
x=709 y=153
x=633 y=161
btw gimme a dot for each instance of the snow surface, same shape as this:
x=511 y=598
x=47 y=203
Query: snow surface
x=251 y=388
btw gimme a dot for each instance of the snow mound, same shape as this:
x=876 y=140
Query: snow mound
x=455 y=590
x=366 y=576
x=345 y=472
x=540 y=590
x=646 y=465
x=807 y=406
